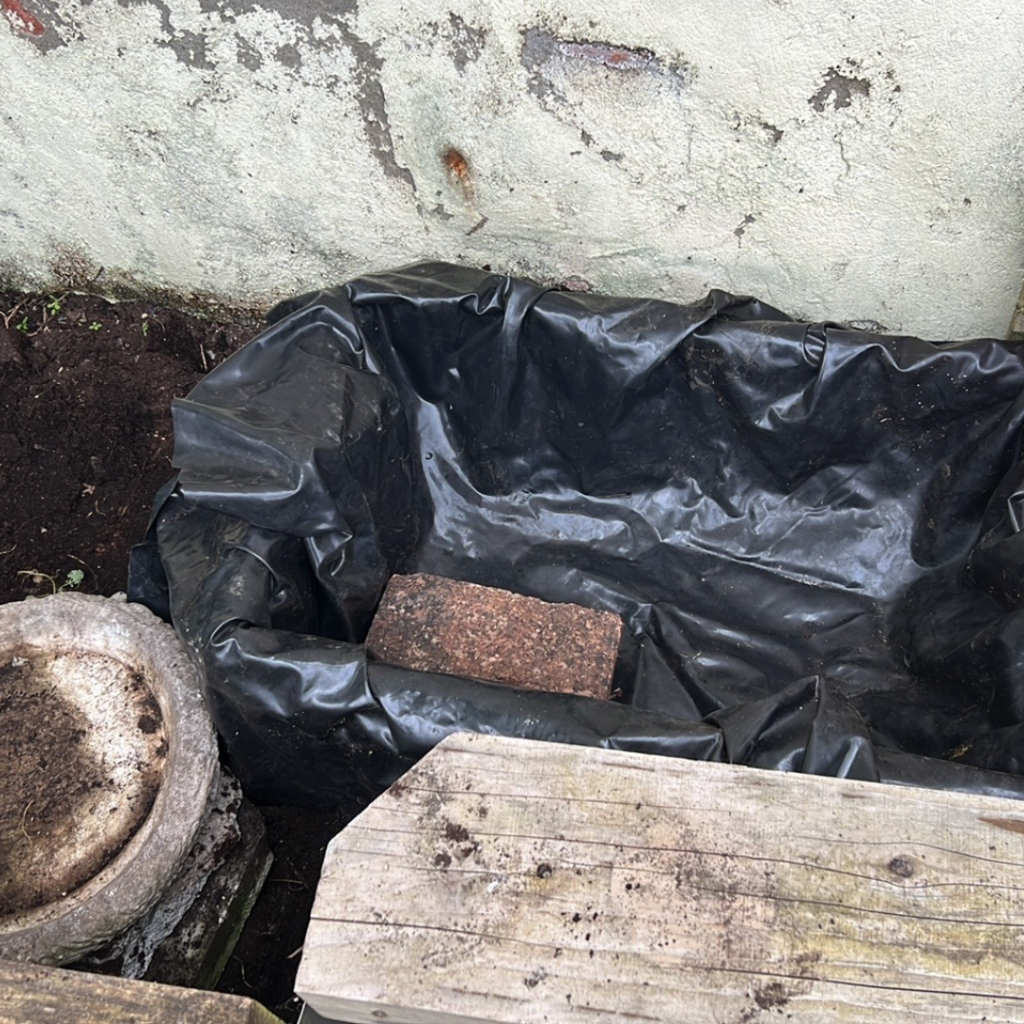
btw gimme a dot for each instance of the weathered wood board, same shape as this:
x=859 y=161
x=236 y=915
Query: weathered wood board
x=49 y=995
x=533 y=883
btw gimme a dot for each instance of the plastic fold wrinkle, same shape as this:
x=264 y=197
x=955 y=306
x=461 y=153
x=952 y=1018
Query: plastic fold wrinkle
x=811 y=533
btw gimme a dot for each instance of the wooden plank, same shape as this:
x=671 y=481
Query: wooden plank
x=530 y=883
x=50 y=995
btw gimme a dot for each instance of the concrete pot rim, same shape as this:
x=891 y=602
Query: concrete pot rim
x=134 y=880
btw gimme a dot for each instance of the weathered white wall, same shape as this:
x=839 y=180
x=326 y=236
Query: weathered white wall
x=857 y=160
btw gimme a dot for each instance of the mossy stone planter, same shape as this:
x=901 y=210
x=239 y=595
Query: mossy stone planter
x=107 y=755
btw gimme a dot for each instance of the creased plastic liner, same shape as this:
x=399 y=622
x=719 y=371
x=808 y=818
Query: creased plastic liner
x=811 y=533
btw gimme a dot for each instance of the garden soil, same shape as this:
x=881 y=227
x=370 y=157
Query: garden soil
x=85 y=442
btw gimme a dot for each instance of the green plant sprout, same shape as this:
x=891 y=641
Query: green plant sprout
x=95 y=326
x=54 y=307
x=72 y=581
x=22 y=324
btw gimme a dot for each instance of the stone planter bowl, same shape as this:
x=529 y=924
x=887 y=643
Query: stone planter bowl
x=107 y=758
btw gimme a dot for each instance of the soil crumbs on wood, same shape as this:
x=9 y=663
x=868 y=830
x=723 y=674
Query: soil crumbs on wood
x=85 y=443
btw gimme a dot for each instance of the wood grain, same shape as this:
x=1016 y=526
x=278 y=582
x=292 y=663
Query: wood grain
x=516 y=881
x=48 y=995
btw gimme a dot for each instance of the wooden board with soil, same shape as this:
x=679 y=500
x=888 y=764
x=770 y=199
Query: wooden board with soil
x=85 y=442
x=514 y=881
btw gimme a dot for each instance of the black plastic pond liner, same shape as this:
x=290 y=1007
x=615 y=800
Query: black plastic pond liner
x=812 y=534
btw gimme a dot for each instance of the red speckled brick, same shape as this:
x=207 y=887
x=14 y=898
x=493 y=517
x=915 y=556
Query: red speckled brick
x=439 y=625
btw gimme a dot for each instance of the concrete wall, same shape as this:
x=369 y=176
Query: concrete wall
x=856 y=160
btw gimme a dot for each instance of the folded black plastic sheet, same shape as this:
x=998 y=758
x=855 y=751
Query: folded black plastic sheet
x=812 y=534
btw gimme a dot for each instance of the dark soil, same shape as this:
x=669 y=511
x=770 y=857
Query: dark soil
x=85 y=442
x=85 y=430
x=52 y=778
x=266 y=958
x=41 y=790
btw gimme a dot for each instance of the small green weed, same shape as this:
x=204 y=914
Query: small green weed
x=72 y=581
x=54 y=307
x=22 y=324
x=95 y=326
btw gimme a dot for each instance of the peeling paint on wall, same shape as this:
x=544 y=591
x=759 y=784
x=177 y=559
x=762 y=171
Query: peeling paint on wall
x=542 y=48
x=838 y=91
x=465 y=42
x=373 y=107
x=741 y=229
x=550 y=59
x=842 y=164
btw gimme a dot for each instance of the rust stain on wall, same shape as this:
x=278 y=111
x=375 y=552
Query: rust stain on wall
x=22 y=20
x=460 y=174
x=457 y=165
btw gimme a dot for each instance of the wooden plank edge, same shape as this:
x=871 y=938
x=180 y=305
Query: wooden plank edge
x=30 y=992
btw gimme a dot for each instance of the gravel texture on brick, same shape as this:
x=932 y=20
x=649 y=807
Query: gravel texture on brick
x=463 y=629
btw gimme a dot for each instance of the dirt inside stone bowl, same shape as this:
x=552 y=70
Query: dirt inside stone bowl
x=82 y=753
